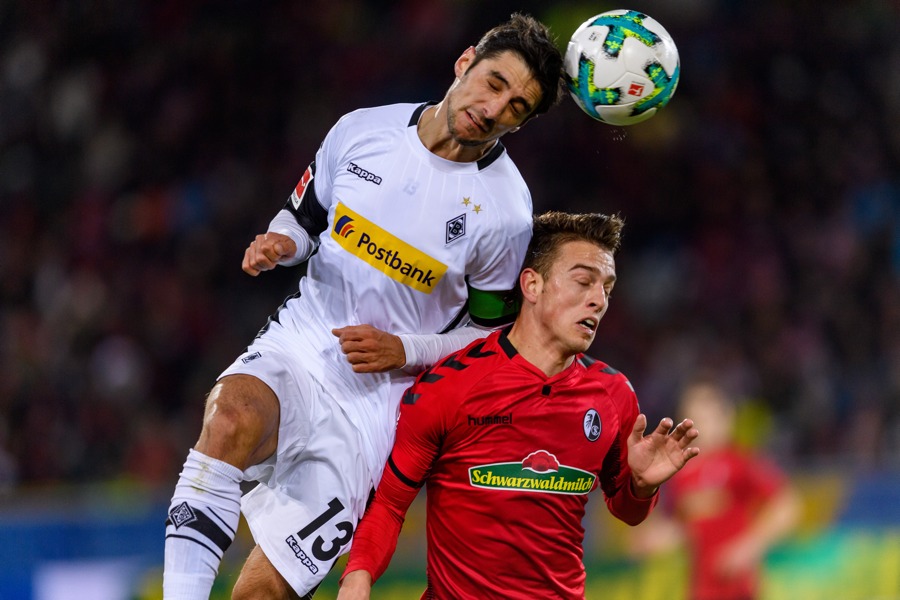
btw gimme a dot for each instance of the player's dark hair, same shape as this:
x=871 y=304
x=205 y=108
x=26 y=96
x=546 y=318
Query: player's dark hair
x=533 y=41
x=553 y=229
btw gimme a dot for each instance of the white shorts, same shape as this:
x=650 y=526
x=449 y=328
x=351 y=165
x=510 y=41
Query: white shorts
x=314 y=490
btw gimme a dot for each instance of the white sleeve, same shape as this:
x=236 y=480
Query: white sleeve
x=286 y=224
x=425 y=349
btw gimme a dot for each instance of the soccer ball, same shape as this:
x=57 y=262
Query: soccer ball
x=621 y=67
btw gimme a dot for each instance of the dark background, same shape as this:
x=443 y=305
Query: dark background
x=144 y=144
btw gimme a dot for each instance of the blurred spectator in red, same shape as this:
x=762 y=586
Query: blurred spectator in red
x=729 y=506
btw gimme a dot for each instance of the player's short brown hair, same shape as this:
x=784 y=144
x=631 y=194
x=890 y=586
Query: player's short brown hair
x=534 y=42
x=553 y=229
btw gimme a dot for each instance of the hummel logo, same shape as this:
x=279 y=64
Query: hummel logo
x=489 y=420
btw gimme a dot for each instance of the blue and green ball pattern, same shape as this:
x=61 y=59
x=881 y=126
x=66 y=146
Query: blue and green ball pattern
x=629 y=24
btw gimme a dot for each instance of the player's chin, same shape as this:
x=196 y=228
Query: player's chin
x=471 y=139
x=581 y=344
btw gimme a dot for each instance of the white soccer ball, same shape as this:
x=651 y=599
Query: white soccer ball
x=621 y=67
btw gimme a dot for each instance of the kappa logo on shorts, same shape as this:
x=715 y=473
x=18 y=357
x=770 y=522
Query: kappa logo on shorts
x=182 y=515
x=384 y=251
x=252 y=357
x=298 y=551
x=456 y=228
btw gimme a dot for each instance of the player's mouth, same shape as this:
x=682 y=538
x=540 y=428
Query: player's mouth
x=477 y=123
x=589 y=325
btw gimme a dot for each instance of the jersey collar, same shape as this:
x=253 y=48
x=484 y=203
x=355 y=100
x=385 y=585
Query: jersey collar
x=484 y=162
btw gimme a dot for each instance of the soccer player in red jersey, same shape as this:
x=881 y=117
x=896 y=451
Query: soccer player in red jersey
x=729 y=508
x=510 y=434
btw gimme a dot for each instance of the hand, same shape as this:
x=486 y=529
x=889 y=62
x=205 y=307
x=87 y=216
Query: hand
x=266 y=251
x=655 y=458
x=355 y=585
x=738 y=557
x=370 y=350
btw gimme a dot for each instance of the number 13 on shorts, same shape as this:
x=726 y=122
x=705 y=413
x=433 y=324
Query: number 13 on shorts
x=325 y=544
x=324 y=548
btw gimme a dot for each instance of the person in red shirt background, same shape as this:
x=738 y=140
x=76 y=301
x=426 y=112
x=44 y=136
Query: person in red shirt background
x=729 y=507
x=511 y=434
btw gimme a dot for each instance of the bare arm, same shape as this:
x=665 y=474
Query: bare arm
x=772 y=523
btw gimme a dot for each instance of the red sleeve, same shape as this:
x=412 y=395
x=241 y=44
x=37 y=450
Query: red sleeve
x=615 y=477
x=419 y=433
x=376 y=537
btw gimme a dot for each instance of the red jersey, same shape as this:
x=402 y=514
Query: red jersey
x=508 y=457
x=716 y=496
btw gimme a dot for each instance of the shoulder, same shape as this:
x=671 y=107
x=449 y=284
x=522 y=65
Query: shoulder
x=507 y=202
x=389 y=116
x=460 y=371
x=614 y=381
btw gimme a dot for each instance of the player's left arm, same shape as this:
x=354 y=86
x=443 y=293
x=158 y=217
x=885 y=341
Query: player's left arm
x=656 y=457
x=487 y=311
x=636 y=465
x=372 y=350
x=491 y=295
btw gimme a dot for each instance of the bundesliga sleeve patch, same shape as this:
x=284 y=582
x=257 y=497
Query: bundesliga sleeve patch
x=301 y=187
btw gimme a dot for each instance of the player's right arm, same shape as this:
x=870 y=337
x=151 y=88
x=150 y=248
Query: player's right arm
x=293 y=234
x=420 y=429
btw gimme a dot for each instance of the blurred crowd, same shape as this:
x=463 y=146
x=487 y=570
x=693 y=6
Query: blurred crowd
x=143 y=144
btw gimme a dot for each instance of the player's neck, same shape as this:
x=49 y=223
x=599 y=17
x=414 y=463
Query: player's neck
x=542 y=353
x=432 y=130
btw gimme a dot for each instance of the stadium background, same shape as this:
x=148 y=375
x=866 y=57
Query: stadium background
x=143 y=144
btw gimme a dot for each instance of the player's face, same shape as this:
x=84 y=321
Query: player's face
x=490 y=98
x=575 y=295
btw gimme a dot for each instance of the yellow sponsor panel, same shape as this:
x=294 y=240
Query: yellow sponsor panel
x=389 y=254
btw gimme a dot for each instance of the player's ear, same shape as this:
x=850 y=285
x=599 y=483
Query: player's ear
x=463 y=62
x=531 y=283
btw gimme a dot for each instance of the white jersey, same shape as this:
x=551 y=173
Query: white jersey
x=403 y=236
x=402 y=232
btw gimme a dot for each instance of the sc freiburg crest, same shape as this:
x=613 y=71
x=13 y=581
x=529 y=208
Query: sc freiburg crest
x=592 y=425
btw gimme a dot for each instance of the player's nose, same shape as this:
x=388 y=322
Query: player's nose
x=493 y=108
x=598 y=299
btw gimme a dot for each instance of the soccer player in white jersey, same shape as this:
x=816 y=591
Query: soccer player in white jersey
x=414 y=221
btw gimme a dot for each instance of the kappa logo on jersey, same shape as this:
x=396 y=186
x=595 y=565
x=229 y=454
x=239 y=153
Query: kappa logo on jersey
x=300 y=190
x=540 y=471
x=363 y=174
x=456 y=228
x=592 y=425
x=389 y=254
